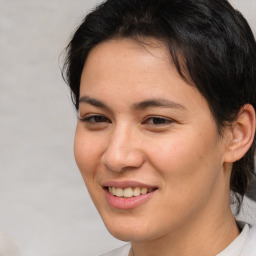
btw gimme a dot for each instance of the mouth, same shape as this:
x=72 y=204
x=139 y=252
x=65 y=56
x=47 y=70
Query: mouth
x=129 y=192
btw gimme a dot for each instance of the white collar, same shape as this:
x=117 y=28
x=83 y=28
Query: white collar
x=236 y=247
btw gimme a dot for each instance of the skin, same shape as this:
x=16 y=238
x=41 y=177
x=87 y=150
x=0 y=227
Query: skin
x=176 y=148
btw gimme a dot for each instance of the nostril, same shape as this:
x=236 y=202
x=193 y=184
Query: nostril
x=123 y=160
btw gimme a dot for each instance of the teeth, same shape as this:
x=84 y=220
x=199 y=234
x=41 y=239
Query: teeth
x=136 y=191
x=150 y=190
x=119 y=192
x=144 y=191
x=129 y=192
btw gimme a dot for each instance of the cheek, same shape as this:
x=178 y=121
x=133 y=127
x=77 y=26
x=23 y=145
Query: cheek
x=190 y=170
x=87 y=152
x=188 y=160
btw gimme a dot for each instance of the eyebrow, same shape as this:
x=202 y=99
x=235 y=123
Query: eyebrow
x=93 y=102
x=150 y=103
x=158 y=102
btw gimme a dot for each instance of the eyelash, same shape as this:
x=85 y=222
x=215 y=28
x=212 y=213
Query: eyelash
x=156 y=120
x=90 y=118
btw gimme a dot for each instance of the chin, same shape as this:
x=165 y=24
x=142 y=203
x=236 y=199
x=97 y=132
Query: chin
x=129 y=230
x=121 y=235
x=128 y=235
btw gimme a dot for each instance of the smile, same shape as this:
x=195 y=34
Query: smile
x=129 y=191
x=128 y=195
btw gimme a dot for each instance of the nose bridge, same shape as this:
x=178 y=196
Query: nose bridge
x=122 y=135
x=123 y=149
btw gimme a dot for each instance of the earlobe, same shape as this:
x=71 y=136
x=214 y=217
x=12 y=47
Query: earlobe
x=242 y=134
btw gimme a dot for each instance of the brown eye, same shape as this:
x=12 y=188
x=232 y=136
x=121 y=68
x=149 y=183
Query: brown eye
x=95 y=119
x=158 y=121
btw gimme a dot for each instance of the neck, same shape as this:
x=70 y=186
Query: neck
x=206 y=236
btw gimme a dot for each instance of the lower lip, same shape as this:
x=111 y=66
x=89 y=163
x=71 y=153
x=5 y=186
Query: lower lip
x=127 y=202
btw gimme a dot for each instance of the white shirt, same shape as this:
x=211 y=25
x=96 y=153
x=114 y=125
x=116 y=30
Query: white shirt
x=243 y=245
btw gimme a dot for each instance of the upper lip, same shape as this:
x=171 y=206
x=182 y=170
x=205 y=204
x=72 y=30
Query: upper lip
x=126 y=184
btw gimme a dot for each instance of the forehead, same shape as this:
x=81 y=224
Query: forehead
x=132 y=54
x=124 y=70
x=127 y=61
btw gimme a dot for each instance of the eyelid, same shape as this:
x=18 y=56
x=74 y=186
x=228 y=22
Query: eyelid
x=168 y=120
x=88 y=117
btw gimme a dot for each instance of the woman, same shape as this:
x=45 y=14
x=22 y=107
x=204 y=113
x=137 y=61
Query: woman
x=166 y=96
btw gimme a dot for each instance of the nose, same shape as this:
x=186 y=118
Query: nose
x=123 y=151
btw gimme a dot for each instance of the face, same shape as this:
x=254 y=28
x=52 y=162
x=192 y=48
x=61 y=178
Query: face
x=146 y=143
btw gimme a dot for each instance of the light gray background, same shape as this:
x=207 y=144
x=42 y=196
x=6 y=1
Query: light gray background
x=44 y=203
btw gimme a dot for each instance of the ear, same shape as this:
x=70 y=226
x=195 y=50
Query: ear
x=242 y=134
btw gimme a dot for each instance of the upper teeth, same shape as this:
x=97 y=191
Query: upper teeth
x=128 y=192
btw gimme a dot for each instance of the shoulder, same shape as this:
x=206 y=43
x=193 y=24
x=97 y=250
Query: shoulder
x=250 y=246
x=121 y=251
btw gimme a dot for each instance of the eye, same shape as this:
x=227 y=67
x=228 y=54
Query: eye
x=157 y=120
x=95 y=120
